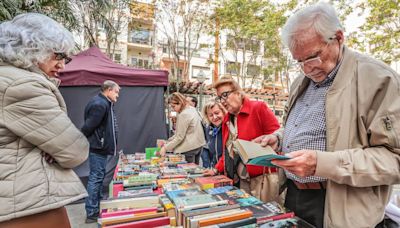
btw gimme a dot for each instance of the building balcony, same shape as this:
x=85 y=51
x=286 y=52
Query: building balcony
x=140 y=44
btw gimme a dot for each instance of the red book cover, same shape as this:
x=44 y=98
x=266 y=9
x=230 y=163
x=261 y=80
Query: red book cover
x=144 y=223
x=117 y=188
x=213 y=182
x=276 y=217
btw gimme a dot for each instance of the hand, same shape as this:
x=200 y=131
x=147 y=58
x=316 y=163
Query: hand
x=303 y=163
x=162 y=151
x=267 y=140
x=48 y=158
x=161 y=142
x=208 y=172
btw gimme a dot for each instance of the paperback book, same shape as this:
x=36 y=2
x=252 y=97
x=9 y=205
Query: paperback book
x=254 y=154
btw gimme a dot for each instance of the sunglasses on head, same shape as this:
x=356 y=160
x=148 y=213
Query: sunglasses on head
x=61 y=56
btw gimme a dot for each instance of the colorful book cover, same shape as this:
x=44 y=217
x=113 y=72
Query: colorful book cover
x=294 y=222
x=128 y=211
x=194 y=192
x=189 y=201
x=220 y=190
x=163 y=221
x=151 y=152
x=186 y=215
x=269 y=212
x=237 y=196
x=243 y=223
x=224 y=219
x=213 y=181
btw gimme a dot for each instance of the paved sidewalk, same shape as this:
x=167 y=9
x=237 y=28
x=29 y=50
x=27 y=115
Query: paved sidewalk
x=77 y=216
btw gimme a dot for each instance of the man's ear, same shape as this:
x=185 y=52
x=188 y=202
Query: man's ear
x=340 y=36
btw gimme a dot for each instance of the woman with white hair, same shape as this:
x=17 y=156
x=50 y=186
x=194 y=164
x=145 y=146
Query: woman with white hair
x=39 y=143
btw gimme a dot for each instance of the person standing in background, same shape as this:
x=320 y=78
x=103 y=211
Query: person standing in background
x=214 y=114
x=246 y=119
x=39 y=144
x=189 y=136
x=101 y=129
x=192 y=100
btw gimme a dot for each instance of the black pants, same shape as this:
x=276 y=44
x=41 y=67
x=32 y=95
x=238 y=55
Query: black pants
x=307 y=204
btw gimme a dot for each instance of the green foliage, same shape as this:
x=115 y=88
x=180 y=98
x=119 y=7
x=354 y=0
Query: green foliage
x=60 y=10
x=252 y=21
x=382 y=29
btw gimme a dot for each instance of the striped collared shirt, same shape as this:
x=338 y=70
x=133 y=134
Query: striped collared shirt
x=306 y=124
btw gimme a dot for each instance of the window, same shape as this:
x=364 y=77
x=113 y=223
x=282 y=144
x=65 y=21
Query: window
x=253 y=70
x=240 y=43
x=143 y=63
x=117 y=58
x=134 y=61
x=232 y=68
x=140 y=63
x=165 y=49
x=141 y=36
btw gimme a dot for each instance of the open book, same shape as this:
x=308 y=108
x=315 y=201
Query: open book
x=253 y=153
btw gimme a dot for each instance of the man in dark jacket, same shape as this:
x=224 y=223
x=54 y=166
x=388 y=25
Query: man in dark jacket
x=101 y=129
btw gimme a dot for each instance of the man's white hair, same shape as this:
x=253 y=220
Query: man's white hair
x=31 y=38
x=320 y=18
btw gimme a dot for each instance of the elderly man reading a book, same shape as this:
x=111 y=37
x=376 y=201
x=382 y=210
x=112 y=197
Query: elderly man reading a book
x=247 y=120
x=342 y=127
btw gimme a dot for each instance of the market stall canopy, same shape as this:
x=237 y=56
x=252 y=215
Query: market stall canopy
x=92 y=67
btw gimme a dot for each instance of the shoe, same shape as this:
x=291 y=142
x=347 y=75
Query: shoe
x=91 y=220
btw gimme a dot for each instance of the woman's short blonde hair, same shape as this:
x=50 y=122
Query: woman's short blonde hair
x=178 y=98
x=208 y=107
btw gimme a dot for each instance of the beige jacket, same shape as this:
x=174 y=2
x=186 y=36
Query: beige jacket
x=33 y=119
x=363 y=129
x=189 y=132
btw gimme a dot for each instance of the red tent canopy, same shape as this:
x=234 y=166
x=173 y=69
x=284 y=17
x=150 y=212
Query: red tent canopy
x=92 y=67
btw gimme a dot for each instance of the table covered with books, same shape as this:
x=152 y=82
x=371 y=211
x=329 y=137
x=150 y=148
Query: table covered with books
x=173 y=193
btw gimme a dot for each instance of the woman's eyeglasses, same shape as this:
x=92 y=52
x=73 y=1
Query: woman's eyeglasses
x=224 y=96
x=61 y=56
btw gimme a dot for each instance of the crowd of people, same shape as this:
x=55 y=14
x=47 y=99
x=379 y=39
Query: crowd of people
x=341 y=129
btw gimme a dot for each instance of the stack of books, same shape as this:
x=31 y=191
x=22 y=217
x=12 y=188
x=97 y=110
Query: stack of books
x=213 y=181
x=175 y=193
x=132 y=211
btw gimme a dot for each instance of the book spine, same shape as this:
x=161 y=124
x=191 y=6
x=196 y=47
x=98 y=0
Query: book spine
x=127 y=212
x=225 y=219
x=145 y=223
x=275 y=217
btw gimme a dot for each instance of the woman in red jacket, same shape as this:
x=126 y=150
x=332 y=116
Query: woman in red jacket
x=246 y=119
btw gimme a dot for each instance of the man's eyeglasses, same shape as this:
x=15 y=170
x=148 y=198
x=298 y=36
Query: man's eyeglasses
x=61 y=56
x=315 y=60
x=224 y=96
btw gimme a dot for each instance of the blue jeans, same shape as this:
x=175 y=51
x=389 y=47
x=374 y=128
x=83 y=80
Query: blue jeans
x=97 y=164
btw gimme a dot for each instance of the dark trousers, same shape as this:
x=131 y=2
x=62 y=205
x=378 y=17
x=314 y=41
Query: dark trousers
x=97 y=164
x=193 y=156
x=307 y=204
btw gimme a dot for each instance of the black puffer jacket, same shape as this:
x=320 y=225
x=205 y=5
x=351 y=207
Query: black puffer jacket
x=100 y=126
